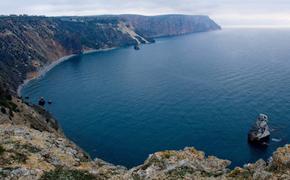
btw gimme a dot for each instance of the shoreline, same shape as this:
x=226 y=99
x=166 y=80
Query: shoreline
x=46 y=68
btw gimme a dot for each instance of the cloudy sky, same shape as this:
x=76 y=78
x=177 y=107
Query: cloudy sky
x=225 y=12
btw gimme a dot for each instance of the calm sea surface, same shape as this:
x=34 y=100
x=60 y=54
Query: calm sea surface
x=203 y=90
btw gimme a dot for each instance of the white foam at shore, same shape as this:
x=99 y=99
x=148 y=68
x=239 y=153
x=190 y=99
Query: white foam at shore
x=42 y=71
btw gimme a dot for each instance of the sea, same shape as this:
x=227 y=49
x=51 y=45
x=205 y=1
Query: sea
x=203 y=90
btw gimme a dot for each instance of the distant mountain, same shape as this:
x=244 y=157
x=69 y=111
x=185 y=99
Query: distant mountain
x=28 y=43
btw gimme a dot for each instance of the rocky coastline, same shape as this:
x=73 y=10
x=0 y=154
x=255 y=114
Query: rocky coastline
x=29 y=43
x=32 y=144
x=46 y=68
x=27 y=153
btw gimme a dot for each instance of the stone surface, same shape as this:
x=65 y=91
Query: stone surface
x=30 y=154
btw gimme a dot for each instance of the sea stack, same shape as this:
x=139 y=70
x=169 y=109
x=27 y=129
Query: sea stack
x=41 y=101
x=260 y=133
x=136 y=47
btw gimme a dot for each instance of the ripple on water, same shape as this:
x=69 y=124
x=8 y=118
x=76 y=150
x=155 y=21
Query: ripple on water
x=203 y=90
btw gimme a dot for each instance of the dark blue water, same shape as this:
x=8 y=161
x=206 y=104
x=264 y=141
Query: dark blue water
x=203 y=90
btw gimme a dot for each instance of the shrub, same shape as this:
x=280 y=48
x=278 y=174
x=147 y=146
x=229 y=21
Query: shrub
x=2 y=150
x=11 y=113
x=9 y=97
x=26 y=147
x=61 y=173
x=19 y=157
x=180 y=172
x=3 y=110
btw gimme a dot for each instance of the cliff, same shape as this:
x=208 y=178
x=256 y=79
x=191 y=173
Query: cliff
x=28 y=43
x=170 y=25
x=27 y=153
x=32 y=145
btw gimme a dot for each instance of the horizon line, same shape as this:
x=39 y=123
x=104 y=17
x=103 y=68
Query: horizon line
x=108 y=14
x=266 y=26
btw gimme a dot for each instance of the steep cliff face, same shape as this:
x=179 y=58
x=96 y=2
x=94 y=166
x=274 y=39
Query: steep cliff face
x=170 y=25
x=15 y=111
x=28 y=43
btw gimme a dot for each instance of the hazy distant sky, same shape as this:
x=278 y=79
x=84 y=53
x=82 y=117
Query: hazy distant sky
x=225 y=12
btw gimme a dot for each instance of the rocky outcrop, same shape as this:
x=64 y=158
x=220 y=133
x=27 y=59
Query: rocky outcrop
x=15 y=111
x=188 y=163
x=27 y=153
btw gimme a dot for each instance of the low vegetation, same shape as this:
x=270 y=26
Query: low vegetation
x=180 y=172
x=64 y=174
x=19 y=157
x=2 y=150
x=6 y=102
x=27 y=147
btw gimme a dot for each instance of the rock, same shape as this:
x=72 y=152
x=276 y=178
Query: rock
x=281 y=158
x=41 y=102
x=71 y=152
x=54 y=161
x=260 y=131
x=179 y=164
x=54 y=151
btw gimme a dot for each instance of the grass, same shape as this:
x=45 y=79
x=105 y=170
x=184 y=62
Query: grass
x=63 y=174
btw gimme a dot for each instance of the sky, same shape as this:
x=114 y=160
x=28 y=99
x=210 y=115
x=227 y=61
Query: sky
x=231 y=13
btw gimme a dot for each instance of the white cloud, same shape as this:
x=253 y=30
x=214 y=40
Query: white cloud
x=226 y=12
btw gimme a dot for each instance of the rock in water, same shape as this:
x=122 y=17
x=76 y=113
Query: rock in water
x=259 y=133
x=136 y=47
x=41 y=102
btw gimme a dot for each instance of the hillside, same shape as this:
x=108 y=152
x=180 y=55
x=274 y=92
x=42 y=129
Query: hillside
x=170 y=25
x=27 y=153
x=32 y=144
x=28 y=43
